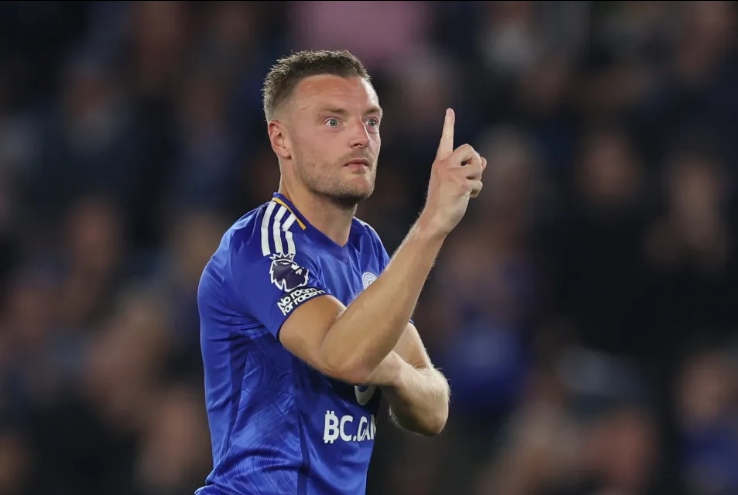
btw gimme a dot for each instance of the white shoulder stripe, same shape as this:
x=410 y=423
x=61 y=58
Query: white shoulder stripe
x=276 y=230
x=288 y=235
x=265 y=228
x=272 y=226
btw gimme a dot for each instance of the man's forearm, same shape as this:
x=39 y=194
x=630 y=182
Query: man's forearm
x=418 y=399
x=364 y=335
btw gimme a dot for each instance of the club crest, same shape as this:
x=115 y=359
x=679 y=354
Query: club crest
x=368 y=279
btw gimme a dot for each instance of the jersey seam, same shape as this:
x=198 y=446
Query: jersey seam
x=231 y=427
x=302 y=475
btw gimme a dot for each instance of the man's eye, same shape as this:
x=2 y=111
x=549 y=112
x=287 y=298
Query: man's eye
x=373 y=122
x=332 y=122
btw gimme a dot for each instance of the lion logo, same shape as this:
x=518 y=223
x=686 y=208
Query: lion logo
x=286 y=274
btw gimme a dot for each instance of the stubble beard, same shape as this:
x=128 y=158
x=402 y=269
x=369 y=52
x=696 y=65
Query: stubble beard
x=340 y=194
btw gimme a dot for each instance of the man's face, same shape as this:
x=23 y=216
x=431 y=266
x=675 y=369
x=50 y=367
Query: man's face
x=334 y=131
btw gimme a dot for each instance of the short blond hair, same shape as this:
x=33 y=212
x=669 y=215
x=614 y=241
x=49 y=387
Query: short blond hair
x=287 y=73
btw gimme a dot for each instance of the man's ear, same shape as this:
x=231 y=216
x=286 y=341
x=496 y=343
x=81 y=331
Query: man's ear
x=279 y=139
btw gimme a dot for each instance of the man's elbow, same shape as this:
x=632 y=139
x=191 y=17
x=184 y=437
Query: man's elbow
x=430 y=424
x=345 y=369
x=438 y=419
x=435 y=423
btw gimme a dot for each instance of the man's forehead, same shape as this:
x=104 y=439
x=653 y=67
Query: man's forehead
x=329 y=90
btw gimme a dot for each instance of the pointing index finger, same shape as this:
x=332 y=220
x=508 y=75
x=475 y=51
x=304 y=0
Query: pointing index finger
x=446 y=146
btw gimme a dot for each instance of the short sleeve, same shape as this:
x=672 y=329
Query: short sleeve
x=270 y=287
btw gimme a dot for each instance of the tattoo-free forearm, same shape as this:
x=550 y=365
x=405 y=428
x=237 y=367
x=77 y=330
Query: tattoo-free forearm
x=419 y=399
x=364 y=335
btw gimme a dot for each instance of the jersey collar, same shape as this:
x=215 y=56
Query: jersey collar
x=340 y=252
x=282 y=200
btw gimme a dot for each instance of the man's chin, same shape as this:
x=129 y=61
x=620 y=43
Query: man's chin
x=349 y=199
x=346 y=194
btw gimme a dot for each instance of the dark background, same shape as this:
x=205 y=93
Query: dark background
x=584 y=311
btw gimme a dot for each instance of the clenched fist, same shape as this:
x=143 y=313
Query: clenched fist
x=456 y=177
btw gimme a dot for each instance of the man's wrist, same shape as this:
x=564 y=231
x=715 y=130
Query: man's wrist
x=389 y=374
x=426 y=230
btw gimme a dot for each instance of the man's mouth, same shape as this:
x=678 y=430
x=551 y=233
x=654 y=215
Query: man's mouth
x=359 y=163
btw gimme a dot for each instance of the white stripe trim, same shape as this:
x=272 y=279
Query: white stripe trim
x=276 y=230
x=290 y=241
x=265 y=228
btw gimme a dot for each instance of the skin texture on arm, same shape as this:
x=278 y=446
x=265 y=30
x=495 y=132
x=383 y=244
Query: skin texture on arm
x=419 y=398
x=417 y=393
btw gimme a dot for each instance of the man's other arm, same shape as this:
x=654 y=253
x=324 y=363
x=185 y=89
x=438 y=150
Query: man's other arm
x=419 y=396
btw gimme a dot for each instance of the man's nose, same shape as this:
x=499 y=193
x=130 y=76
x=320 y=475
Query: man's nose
x=359 y=136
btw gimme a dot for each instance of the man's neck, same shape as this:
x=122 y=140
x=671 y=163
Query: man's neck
x=322 y=213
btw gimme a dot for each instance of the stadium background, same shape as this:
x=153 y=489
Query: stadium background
x=585 y=311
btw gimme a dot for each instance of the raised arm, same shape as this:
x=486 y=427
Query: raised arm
x=351 y=343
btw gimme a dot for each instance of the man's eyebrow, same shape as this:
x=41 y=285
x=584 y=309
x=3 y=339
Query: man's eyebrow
x=332 y=109
x=342 y=111
x=374 y=110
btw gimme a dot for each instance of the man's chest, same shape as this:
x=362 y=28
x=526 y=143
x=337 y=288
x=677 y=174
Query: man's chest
x=346 y=279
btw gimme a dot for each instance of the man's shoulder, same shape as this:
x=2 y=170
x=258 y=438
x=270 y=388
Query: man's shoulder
x=366 y=229
x=268 y=230
x=371 y=234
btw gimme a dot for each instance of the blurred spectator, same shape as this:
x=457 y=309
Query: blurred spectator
x=176 y=445
x=91 y=260
x=14 y=463
x=550 y=449
x=392 y=31
x=706 y=401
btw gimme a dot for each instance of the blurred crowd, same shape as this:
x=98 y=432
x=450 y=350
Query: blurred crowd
x=583 y=311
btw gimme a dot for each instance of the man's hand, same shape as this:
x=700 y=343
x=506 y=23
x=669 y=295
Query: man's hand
x=417 y=393
x=455 y=178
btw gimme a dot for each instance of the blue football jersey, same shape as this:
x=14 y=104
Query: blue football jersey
x=277 y=425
